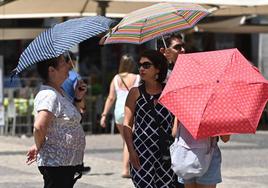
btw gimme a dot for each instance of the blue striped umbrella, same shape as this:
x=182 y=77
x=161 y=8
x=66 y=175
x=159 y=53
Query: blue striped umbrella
x=55 y=41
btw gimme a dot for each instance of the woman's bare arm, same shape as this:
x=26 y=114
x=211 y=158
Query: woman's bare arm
x=175 y=127
x=108 y=103
x=42 y=122
x=128 y=125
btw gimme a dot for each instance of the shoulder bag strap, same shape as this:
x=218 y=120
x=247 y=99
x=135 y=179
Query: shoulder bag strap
x=123 y=82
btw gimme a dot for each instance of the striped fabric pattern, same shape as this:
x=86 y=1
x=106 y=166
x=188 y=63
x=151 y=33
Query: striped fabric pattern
x=55 y=41
x=145 y=24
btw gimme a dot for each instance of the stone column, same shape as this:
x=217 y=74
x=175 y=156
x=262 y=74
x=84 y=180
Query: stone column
x=263 y=50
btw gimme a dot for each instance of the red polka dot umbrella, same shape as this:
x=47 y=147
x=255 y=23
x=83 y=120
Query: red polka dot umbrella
x=216 y=93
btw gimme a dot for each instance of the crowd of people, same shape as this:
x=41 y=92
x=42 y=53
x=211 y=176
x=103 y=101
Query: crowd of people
x=60 y=140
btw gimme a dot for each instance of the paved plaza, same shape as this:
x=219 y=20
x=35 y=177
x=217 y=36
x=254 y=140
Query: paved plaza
x=245 y=163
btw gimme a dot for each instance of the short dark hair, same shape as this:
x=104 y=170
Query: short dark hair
x=42 y=67
x=168 y=38
x=159 y=61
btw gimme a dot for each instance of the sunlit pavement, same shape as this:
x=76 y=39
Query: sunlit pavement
x=245 y=162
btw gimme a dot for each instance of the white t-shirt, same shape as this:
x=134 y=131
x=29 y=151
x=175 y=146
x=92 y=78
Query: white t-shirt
x=65 y=139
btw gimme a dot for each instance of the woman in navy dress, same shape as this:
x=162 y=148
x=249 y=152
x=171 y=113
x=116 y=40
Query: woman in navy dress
x=142 y=110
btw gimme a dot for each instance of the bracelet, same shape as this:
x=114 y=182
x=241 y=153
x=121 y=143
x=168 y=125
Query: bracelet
x=77 y=100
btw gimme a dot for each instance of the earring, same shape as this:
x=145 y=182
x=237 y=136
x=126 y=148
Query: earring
x=156 y=76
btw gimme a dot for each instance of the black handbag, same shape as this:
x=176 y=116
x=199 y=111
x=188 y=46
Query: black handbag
x=165 y=141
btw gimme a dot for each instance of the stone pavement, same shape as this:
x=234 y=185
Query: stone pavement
x=245 y=163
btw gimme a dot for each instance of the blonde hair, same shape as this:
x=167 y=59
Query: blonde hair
x=126 y=64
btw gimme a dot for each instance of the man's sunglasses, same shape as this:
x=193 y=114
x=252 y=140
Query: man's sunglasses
x=145 y=65
x=178 y=46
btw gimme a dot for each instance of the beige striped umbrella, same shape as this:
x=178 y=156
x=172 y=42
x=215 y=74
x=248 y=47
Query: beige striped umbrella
x=148 y=23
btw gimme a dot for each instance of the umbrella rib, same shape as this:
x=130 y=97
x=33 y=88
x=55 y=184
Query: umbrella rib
x=194 y=61
x=197 y=85
x=224 y=72
x=141 y=28
x=177 y=13
x=210 y=98
x=245 y=116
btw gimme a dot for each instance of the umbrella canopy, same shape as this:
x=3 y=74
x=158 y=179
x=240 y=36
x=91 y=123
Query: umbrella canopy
x=148 y=23
x=55 y=41
x=215 y=93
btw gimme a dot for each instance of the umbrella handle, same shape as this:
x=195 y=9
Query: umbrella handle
x=70 y=59
x=165 y=45
x=164 y=41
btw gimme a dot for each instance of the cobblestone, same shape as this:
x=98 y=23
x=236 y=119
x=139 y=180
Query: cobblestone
x=244 y=165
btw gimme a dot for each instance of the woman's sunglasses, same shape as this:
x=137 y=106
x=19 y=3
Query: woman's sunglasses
x=145 y=65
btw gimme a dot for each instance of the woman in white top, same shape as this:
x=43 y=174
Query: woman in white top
x=59 y=137
x=119 y=88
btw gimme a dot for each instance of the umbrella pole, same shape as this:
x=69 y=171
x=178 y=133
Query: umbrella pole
x=73 y=66
x=72 y=63
x=165 y=45
x=164 y=42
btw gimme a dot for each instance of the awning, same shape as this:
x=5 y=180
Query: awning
x=208 y=2
x=19 y=34
x=234 y=25
x=118 y=8
x=65 y=8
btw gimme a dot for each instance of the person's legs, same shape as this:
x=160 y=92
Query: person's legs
x=179 y=185
x=55 y=177
x=205 y=186
x=125 y=172
x=190 y=185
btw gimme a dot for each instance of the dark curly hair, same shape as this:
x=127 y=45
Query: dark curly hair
x=159 y=61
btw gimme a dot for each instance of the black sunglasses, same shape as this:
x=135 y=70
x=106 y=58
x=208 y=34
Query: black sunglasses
x=145 y=65
x=178 y=46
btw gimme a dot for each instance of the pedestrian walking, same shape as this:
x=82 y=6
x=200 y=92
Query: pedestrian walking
x=119 y=89
x=176 y=46
x=59 y=137
x=213 y=175
x=141 y=130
